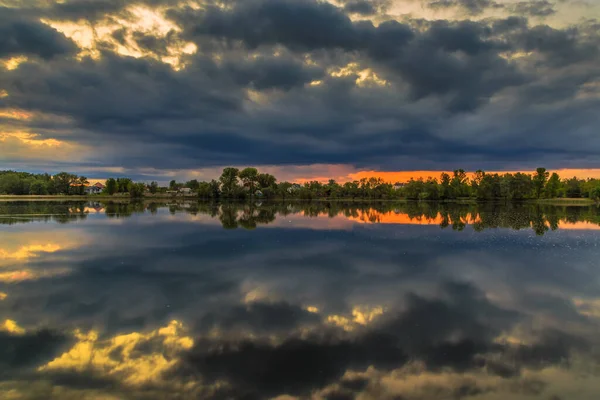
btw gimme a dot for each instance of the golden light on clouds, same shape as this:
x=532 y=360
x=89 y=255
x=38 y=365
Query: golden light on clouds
x=138 y=19
x=98 y=355
x=13 y=62
x=11 y=113
x=360 y=316
x=32 y=146
x=365 y=76
x=3 y=295
x=11 y=326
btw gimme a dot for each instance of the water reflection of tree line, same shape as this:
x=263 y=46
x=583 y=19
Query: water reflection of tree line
x=540 y=218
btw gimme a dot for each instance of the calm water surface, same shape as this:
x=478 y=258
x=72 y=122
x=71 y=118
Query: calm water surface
x=311 y=301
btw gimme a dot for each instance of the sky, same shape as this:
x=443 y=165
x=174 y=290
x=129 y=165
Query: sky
x=303 y=89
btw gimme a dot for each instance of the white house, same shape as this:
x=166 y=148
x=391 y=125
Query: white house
x=95 y=188
x=185 y=191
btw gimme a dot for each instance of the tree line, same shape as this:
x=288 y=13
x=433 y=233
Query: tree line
x=236 y=184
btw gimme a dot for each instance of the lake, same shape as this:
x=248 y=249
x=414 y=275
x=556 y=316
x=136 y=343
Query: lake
x=299 y=300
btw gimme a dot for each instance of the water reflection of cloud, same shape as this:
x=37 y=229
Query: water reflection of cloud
x=384 y=310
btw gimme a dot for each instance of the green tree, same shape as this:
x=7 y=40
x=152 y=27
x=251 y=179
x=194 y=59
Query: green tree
x=38 y=187
x=229 y=182
x=215 y=190
x=82 y=182
x=123 y=185
x=445 y=189
x=266 y=181
x=111 y=186
x=539 y=181
x=153 y=187
x=136 y=190
x=249 y=177
x=595 y=193
x=553 y=186
x=63 y=182
x=573 y=188
x=193 y=184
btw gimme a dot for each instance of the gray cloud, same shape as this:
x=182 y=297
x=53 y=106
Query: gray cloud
x=24 y=36
x=536 y=8
x=453 y=92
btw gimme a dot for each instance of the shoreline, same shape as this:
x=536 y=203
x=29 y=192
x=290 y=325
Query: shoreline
x=557 y=201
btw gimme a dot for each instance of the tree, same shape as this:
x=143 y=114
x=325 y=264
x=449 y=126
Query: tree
x=173 y=185
x=153 y=187
x=459 y=184
x=63 y=181
x=111 y=186
x=573 y=188
x=136 y=189
x=193 y=184
x=249 y=177
x=38 y=187
x=82 y=181
x=595 y=193
x=123 y=185
x=229 y=181
x=445 y=189
x=539 y=181
x=266 y=181
x=552 y=189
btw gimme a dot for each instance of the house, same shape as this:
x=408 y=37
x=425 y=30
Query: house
x=185 y=191
x=95 y=188
x=399 y=185
x=294 y=188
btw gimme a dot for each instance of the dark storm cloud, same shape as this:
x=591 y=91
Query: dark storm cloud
x=23 y=36
x=272 y=73
x=559 y=47
x=366 y=7
x=28 y=350
x=440 y=77
x=360 y=7
x=299 y=25
x=119 y=90
x=536 y=8
x=260 y=316
x=473 y=7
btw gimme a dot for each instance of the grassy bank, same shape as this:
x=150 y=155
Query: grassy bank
x=566 y=202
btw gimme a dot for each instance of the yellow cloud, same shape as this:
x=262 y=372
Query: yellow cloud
x=13 y=62
x=361 y=316
x=12 y=113
x=3 y=295
x=31 y=146
x=12 y=327
x=365 y=76
x=133 y=367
